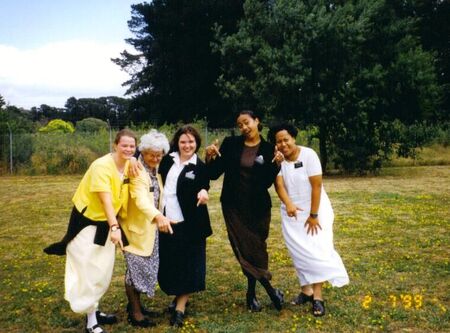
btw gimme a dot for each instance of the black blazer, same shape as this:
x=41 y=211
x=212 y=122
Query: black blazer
x=196 y=224
x=263 y=175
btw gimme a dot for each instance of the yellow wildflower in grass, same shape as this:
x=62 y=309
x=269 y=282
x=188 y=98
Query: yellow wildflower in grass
x=189 y=326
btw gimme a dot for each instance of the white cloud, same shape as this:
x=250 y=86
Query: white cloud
x=54 y=72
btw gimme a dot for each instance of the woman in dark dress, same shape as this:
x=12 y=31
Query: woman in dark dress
x=182 y=255
x=247 y=162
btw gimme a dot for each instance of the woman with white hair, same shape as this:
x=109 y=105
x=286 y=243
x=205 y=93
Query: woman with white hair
x=140 y=228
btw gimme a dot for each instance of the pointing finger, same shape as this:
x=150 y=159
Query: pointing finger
x=216 y=145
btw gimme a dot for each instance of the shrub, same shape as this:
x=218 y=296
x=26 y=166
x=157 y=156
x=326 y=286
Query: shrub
x=57 y=126
x=91 y=125
x=62 y=159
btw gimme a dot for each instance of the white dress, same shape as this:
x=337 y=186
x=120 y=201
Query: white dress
x=314 y=257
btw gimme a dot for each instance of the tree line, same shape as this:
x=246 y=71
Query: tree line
x=359 y=73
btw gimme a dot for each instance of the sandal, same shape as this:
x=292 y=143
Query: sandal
x=318 y=308
x=302 y=298
x=95 y=329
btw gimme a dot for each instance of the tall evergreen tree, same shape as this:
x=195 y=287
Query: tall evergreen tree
x=173 y=73
x=343 y=66
x=432 y=19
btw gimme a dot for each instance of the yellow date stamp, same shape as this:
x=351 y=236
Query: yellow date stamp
x=405 y=301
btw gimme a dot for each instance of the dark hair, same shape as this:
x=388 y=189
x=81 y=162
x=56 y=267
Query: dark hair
x=251 y=114
x=125 y=132
x=186 y=129
x=281 y=127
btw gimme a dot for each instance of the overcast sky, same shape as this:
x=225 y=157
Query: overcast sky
x=51 y=50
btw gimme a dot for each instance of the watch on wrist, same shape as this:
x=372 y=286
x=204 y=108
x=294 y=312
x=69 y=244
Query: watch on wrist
x=314 y=216
x=114 y=227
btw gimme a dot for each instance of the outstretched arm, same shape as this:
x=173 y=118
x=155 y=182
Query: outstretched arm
x=291 y=208
x=139 y=193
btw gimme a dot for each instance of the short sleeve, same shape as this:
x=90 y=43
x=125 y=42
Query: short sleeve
x=100 y=178
x=313 y=166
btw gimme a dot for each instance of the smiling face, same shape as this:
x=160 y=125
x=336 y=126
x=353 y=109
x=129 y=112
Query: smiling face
x=152 y=157
x=285 y=143
x=125 y=148
x=248 y=126
x=186 y=146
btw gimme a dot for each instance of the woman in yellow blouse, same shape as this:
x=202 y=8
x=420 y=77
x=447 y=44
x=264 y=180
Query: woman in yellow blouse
x=140 y=228
x=93 y=231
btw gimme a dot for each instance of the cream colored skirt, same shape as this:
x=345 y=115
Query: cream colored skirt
x=89 y=269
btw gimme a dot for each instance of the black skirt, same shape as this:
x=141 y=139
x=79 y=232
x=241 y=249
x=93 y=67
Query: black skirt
x=182 y=262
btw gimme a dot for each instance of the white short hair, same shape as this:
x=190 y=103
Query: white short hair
x=155 y=141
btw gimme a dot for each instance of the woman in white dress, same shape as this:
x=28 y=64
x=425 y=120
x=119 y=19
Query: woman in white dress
x=307 y=218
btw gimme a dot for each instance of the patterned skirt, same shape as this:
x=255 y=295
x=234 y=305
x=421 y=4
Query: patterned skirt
x=142 y=272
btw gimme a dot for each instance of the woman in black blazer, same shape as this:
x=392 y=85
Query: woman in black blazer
x=182 y=254
x=247 y=162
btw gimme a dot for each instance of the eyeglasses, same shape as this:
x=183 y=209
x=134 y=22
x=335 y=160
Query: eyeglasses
x=153 y=156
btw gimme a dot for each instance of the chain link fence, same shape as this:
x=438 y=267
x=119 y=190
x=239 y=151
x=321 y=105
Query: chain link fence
x=70 y=153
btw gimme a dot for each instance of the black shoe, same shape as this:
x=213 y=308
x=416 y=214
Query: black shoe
x=145 y=312
x=318 y=308
x=302 y=298
x=177 y=319
x=105 y=319
x=253 y=304
x=95 y=329
x=277 y=298
x=172 y=305
x=140 y=323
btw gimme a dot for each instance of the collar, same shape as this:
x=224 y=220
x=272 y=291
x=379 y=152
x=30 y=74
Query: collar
x=176 y=159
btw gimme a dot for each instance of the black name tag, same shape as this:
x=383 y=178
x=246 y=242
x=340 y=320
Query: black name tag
x=298 y=165
x=126 y=181
x=152 y=189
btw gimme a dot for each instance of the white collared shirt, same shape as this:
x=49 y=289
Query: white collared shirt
x=170 y=200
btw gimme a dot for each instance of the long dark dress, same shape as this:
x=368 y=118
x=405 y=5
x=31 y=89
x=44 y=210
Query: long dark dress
x=182 y=255
x=246 y=204
x=182 y=267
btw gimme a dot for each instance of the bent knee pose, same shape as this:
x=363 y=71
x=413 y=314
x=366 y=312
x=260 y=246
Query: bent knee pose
x=249 y=170
x=93 y=231
x=141 y=228
x=307 y=218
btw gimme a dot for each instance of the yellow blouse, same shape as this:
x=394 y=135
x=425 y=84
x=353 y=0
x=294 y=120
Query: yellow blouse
x=102 y=176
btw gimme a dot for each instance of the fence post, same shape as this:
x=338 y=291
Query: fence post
x=10 y=149
x=110 y=136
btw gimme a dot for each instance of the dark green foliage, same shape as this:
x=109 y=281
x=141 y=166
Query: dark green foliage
x=433 y=29
x=19 y=121
x=45 y=113
x=174 y=71
x=112 y=109
x=343 y=67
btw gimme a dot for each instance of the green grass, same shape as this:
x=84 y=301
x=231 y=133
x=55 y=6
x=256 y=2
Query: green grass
x=392 y=232
x=434 y=154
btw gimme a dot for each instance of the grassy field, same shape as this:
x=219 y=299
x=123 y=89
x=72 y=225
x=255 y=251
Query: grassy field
x=392 y=232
